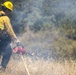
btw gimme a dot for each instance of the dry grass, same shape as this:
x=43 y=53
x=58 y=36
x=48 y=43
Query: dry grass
x=41 y=67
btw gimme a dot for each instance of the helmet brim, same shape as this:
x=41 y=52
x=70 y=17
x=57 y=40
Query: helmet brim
x=2 y=4
x=6 y=7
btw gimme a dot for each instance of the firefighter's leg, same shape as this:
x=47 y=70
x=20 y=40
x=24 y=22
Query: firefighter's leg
x=6 y=56
x=0 y=57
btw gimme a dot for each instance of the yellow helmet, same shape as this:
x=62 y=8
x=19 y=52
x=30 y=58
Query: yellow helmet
x=8 y=5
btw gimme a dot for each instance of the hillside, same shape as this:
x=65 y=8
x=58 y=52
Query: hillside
x=47 y=29
x=41 y=59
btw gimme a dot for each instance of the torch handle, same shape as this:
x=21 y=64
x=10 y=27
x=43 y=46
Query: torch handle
x=25 y=65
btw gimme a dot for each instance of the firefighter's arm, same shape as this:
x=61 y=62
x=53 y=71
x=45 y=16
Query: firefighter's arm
x=10 y=31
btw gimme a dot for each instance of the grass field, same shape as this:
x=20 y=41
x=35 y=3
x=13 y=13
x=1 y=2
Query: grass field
x=41 y=67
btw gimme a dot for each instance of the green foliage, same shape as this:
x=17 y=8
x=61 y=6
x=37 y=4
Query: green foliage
x=65 y=48
x=69 y=27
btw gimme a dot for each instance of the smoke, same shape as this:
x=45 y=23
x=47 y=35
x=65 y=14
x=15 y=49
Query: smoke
x=48 y=11
x=29 y=11
x=44 y=12
x=66 y=6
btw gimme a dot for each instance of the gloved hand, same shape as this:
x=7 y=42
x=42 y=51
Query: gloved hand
x=16 y=40
x=19 y=49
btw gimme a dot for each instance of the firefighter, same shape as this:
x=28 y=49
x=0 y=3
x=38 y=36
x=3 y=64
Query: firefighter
x=6 y=34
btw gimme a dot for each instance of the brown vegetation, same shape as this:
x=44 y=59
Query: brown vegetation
x=41 y=67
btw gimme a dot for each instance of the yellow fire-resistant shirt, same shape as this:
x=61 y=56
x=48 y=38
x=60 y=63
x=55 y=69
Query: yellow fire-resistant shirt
x=5 y=21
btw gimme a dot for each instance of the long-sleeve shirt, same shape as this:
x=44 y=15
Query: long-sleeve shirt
x=5 y=21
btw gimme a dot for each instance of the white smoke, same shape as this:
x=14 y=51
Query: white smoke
x=32 y=11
